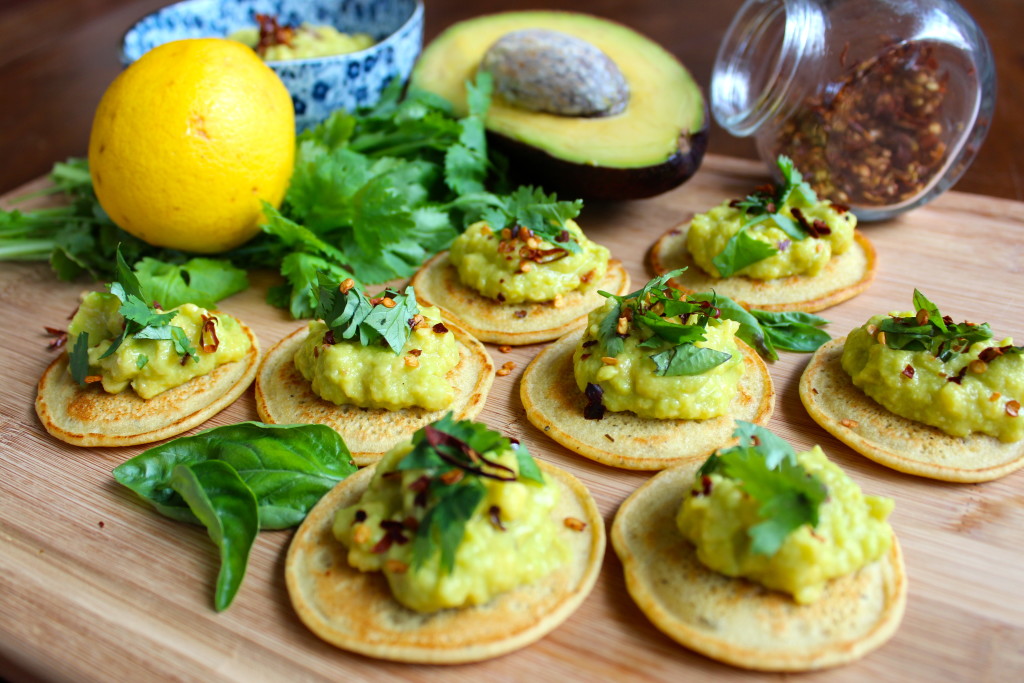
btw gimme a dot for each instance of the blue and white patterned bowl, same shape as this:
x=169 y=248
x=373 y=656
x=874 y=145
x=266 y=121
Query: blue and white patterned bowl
x=318 y=85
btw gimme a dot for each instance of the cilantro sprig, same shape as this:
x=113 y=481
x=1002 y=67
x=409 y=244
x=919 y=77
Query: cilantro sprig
x=351 y=314
x=651 y=310
x=447 y=446
x=768 y=471
x=931 y=331
x=527 y=206
x=764 y=204
x=142 y=320
x=768 y=331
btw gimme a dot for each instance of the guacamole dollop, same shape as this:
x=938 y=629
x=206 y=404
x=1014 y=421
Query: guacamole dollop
x=514 y=266
x=152 y=366
x=852 y=531
x=629 y=380
x=303 y=42
x=374 y=376
x=974 y=390
x=710 y=232
x=509 y=539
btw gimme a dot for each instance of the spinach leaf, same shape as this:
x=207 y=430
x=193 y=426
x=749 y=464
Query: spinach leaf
x=740 y=251
x=219 y=498
x=288 y=468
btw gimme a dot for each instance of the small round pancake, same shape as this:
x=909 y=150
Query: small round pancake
x=554 y=405
x=284 y=396
x=737 y=621
x=845 y=276
x=437 y=284
x=906 y=445
x=355 y=610
x=90 y=416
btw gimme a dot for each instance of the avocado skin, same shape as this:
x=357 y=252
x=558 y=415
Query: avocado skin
x=534 y=166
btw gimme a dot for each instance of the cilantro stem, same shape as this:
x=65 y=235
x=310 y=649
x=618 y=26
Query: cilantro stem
x=26 y=250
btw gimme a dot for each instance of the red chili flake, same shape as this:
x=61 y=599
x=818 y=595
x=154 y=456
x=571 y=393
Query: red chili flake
x=272 y=33
x=705 y=485
x=586 y=277
x=73 y=313
x=420 y=484
x=1012 y=408
x=411 y=523
x=908 y=371
x=209 y=331
x=988 y=355
x=563 y=236
x=506 y=247
x=329 y=338
x=585 y=356
x=453 y=476
x=590 y=342
x=184 y=359
x=594 y=410
x=501 y=298
x=495 y=514
x=415 y=352
x=543 y=255
x=959 y=377
x=755 y=439
x=157 y=306
x=360 y=516
x=102 y=524
x=813 y=390
x=439 y=328
x=393 y=533
x=520 y=314
x=59 y=340
x=820 y=228
x=801 y=219
x=840 y=208
x=92 y=379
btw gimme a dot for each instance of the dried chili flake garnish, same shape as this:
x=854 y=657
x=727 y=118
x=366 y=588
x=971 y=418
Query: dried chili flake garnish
x=272 y=33
x=590 y=342
x=452 y=476
x=505 y=348
x=908 y=371
x=60 y=338
x=420 y=484
x=394 y=566
x=501 y=298
x=575 y=524
x=208 y=339
x=415 y=352
x=184 y=359
x=594 y=410
x=495 y=514
x=329 y=338
x=520 y=314
x=1012 y=408
x=439 y=328
x=959 y=377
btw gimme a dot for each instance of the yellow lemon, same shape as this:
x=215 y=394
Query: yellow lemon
x=188 y=140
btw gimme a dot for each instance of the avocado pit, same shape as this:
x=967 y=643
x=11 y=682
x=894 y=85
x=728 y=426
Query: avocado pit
x=554 y=72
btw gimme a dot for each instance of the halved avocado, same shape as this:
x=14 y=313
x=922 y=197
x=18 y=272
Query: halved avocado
x=653 y=145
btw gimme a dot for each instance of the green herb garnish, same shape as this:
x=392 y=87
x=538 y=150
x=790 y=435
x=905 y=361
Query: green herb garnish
x=650 y=309
x=764 y=204
x=767 y=331
x=543 y=214
x=768 y=471
x=350 y=315
x=447 y=446
x=931 y=331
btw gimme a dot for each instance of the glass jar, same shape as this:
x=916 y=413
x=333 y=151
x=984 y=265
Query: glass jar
x=882 y=104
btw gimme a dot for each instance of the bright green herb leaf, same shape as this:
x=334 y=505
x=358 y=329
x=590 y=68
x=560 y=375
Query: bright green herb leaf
x=219 y=498
x=78 y=359
x=921 y=302
x=141 y=360
x=201 y=281
x=740 y=251
x=687 y=359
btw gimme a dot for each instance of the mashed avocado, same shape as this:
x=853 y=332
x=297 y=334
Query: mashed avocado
x=304 y=42
x=374 y=376
x=151 y=366
x=521 y=267
x=629 y=381
x=851 y=532
x=976 y=390
x=509 y=539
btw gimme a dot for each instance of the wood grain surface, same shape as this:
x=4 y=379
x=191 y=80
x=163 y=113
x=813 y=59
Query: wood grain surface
x=96 y=586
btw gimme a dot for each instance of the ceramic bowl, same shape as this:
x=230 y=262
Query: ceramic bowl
x=318 y=85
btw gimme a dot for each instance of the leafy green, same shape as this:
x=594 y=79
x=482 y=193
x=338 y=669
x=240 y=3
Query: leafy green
x=288 y=467
x=938 y=335
x=78 y=359
x=465 y=445
x=768 y=471
x=201 y=281
x=528 y=206
x=219 y=498
x=740 y=251
x=687 y=359
x=351 y=315
x=766 y=331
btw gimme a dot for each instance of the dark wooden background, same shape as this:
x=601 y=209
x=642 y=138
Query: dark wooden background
x=58 y=56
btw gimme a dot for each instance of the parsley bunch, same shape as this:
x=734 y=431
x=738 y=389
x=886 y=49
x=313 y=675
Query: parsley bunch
x=768 y=471
x=141 y=321
x=650 y=309
x=931 y=331
x=762 y=205
x=351 y=315
x=460 y=447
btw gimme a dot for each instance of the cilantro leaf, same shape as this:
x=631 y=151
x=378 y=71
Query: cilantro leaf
x=921 y=303
x=774 y=448
x=793 y=183
x=611 y=342
x=444 y=525
x=350 y=314
x=687 y=359
x=939 y=335
x=201 y=281
x=740 y=251
x=78 y=359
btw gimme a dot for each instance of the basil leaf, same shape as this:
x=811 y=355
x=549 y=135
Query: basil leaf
x=687 y=359
x=750 y=329
x=219 y=498
x=670 y=331
x=528 y=468
x=741 y=251
x=921 y=302
x=288 y=467
x=789 y=226
x=141 y=360
x=78 y=359
x=797 y=337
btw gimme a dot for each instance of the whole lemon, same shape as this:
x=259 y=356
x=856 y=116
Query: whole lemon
x=187 y=141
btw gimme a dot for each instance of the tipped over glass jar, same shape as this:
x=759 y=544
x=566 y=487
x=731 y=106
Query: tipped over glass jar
x=881 y=104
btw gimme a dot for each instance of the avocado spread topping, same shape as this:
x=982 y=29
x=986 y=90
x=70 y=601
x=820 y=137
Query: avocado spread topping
x=275 y=42
x=658 y=354
x=925 y=367
x=789 y=521
x=454 y=518
x=517 y=264
x=772 y=233
x=120 y=339
x=381 y=352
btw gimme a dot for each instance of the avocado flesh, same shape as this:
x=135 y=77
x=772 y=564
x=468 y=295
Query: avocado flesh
x=664 y=124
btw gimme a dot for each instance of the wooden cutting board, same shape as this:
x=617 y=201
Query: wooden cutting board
x=96 y=586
